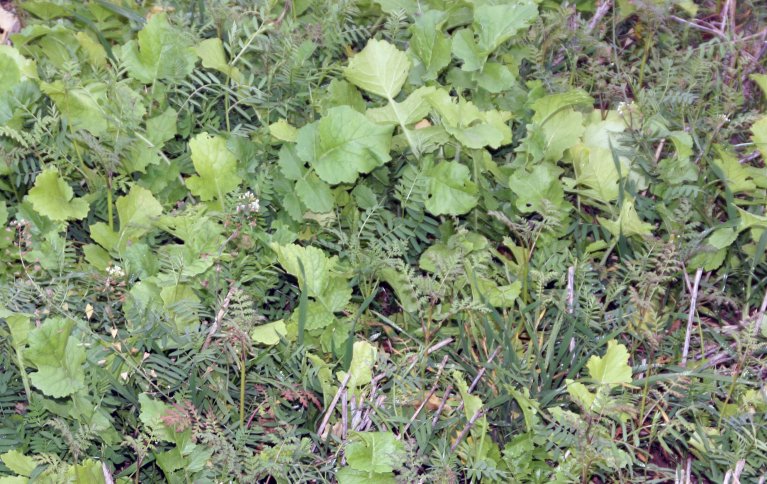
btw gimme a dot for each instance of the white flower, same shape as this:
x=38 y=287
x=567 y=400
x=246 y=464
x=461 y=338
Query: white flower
x=115 y=271
x=249 y=203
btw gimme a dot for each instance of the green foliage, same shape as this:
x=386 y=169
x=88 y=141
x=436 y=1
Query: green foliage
x=387 y=241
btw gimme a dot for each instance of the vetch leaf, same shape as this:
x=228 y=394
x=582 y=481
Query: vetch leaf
x=52 y=197
x=380 y=68
x=343 y=144
x=160 y=53
x=215 y=165
x=451 y=191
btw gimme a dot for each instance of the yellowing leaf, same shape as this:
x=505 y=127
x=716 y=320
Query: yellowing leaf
x=628 y=222
x=52 y=197
x=216 y=167
x=380 y=68
x=612 y=368
x=269 y=334
x=364 y=357
x=160 y=53
x=283 y=131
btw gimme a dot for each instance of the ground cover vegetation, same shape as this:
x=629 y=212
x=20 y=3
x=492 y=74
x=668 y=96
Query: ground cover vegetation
x=383 y=241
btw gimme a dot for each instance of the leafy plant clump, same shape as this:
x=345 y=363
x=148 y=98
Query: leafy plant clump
x=383 y=241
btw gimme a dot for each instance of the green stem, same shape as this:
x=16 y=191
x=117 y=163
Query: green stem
x=242 y=388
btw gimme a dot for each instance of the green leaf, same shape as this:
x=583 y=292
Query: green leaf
x=628 y=222
x=759 y=130
x=408 y=112
x=471 y=127
x=53 y=198
x=152 y=413
x=161 y=53
x=429 y=44
x=162 y=127
x=347 y=475
x=269 y=334
x=376 y=452
x=736 y=176
x=317 y=266
x=466 y=49
x=283 y=131
x=315 y=193
x=137 y=211
x=612 y=368
x=58 y=357
x=364 y=356
x=211 y=52
x=215 y=165
x=498 y=23
x=343 y=144
x=536 y=189
x=19 y=463
x=380 y=68
x=495 y=78
x=451 y=191
x=80 y=106
x=317 y=316
x=14 y=68
x=290 y=164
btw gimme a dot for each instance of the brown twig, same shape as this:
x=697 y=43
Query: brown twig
x=691 y=316
x=332 y=405
x=220 y=315
x=426 y=398
x=466 y=428
x=441 y=407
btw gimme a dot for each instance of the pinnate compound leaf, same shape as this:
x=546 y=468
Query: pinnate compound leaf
x=52 y=197
x=376 y=452
x=613 y=367
x=58 y=356
x=380 y=68
x=343 y=144
x=159 y=54
x=216 y=167
x=451 y=191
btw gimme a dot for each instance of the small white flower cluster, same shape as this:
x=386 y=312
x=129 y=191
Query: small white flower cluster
x=248 y=203
x=21 y=223
x=115 y=272
x=625 y=108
